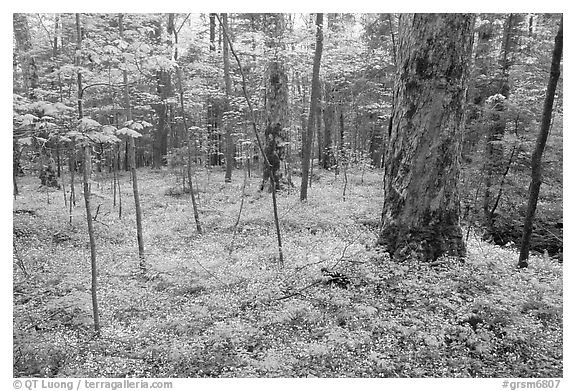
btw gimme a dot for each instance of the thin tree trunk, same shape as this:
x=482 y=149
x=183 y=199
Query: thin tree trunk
x=15 y=184
x=15 y=165
x=393 y=38
x=188 y=138
x=87 y=169
x=315 y=94
x=119 y=201
x=345 y=182
x=189 y=150
x=329 y=116
x=94 y=274
x=242 y=198
x=114 y=175
x=64 y=194
x=58 y=163
x=72 y=164
x=228 y=84
x=192 y=197
x=318 y=129
x=139 y=235
x=534 y=189
x=132 y=157
x=311 y=160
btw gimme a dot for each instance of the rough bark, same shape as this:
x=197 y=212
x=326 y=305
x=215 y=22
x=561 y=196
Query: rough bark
x=276 y=103
x=315 y=95
x=536 y=164
x=421 y=216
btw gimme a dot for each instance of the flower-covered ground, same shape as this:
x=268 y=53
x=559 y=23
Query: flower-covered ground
x=215 y=306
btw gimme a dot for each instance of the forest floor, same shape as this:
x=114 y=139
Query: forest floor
x=203 y=311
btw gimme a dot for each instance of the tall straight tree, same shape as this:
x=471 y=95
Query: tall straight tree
x=228 y=84
x=421 y=213
x=87 y=169
x=164 y=108
x=24 y=49
x=132 y=158
x=187 y=130
x=276 y=101
x=315 y=95
x=536 y=181
x=495 y=160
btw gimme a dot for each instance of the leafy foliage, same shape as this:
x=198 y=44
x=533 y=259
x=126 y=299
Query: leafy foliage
x=218 y=304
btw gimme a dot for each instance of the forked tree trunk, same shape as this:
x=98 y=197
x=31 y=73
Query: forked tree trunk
x=421 y=217
x=534 y=189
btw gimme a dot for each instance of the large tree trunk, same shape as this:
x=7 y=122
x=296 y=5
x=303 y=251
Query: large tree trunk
x=421 y=215
x=534 y=189
x=315 y=95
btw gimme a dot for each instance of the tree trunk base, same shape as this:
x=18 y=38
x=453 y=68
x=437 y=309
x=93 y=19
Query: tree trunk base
x=423 y=244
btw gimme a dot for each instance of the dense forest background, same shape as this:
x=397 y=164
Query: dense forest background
x=177 y=126
x=511 y=59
